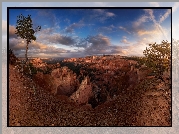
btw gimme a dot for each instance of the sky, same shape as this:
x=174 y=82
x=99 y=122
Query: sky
x=83 y=32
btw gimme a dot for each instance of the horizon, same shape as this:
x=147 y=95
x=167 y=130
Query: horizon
x=73 y=33
x=80 y=57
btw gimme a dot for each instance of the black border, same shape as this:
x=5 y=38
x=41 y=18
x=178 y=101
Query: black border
x=8 y=8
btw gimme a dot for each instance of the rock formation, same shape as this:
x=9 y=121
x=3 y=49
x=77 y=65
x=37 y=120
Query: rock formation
x=65 y=81
x=37 y=62
x=84 y=92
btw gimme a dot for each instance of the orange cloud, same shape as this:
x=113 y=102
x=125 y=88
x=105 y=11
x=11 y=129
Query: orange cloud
x=12 y=30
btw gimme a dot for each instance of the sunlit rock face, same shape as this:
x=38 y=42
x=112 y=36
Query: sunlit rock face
x=37 y=62
x=65 y=81
x=84 y=92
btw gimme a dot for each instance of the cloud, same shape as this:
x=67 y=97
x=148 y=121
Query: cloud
x=12 y=30
x=46 y=15
x=106 y=29
x=109 y=14
x=101 y=11
x=137 y=48
x=71 y=28
x=115 y=50
x=97 y=44
x=36 y=49
x=57 y=38
x=141 y=20
x=16 y=44
x=124 y=29
x=153 y=32
x=67 y=21
x=101 y=15
x=150 y=12
x=64 y=40
x=152 y=17
x=104 y=12
x=154 y=4
x=167 y=13
x=20 y=44
x=47 y=31
x=124 y=40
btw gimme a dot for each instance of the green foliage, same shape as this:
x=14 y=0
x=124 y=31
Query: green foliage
x=25 y=29
x=32 y=68
x=157 y=57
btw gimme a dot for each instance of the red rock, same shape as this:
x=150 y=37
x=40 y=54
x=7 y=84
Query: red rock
x=82 y=95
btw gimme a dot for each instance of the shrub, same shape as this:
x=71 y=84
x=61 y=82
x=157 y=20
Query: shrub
x=157 y=57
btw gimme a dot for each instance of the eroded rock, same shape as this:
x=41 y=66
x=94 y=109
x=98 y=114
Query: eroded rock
x=84 y=93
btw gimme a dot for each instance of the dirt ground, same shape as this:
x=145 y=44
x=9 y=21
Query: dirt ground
x=149 y=104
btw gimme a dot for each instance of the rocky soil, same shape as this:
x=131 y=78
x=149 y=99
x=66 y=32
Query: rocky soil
x=32 y=103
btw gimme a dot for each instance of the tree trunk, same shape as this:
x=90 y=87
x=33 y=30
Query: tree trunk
x=26 y=59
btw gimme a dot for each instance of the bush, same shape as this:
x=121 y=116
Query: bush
x=157 y=57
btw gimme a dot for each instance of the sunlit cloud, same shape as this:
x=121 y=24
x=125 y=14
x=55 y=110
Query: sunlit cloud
x=12 y=30
x=93 y=34
x=124 y=40
x=141 y=20
x=152 y=17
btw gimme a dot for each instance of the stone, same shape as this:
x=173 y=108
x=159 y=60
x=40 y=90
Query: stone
x=64 y=81
x=84 y=92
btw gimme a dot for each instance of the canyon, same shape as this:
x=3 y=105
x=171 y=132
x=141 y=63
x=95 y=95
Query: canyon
x=108 y=90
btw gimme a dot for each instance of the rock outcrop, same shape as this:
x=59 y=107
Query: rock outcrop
x=37 y=62
x=65 y=81
x=84 y=92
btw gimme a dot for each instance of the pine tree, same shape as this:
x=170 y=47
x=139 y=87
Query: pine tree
x=25 y=30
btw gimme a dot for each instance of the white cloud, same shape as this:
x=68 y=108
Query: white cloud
x=109 y=14
x=167 y=13
x=124 y=40
x=141 y=20
x=102 y=14
x=152 y=17
x=99 y=10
